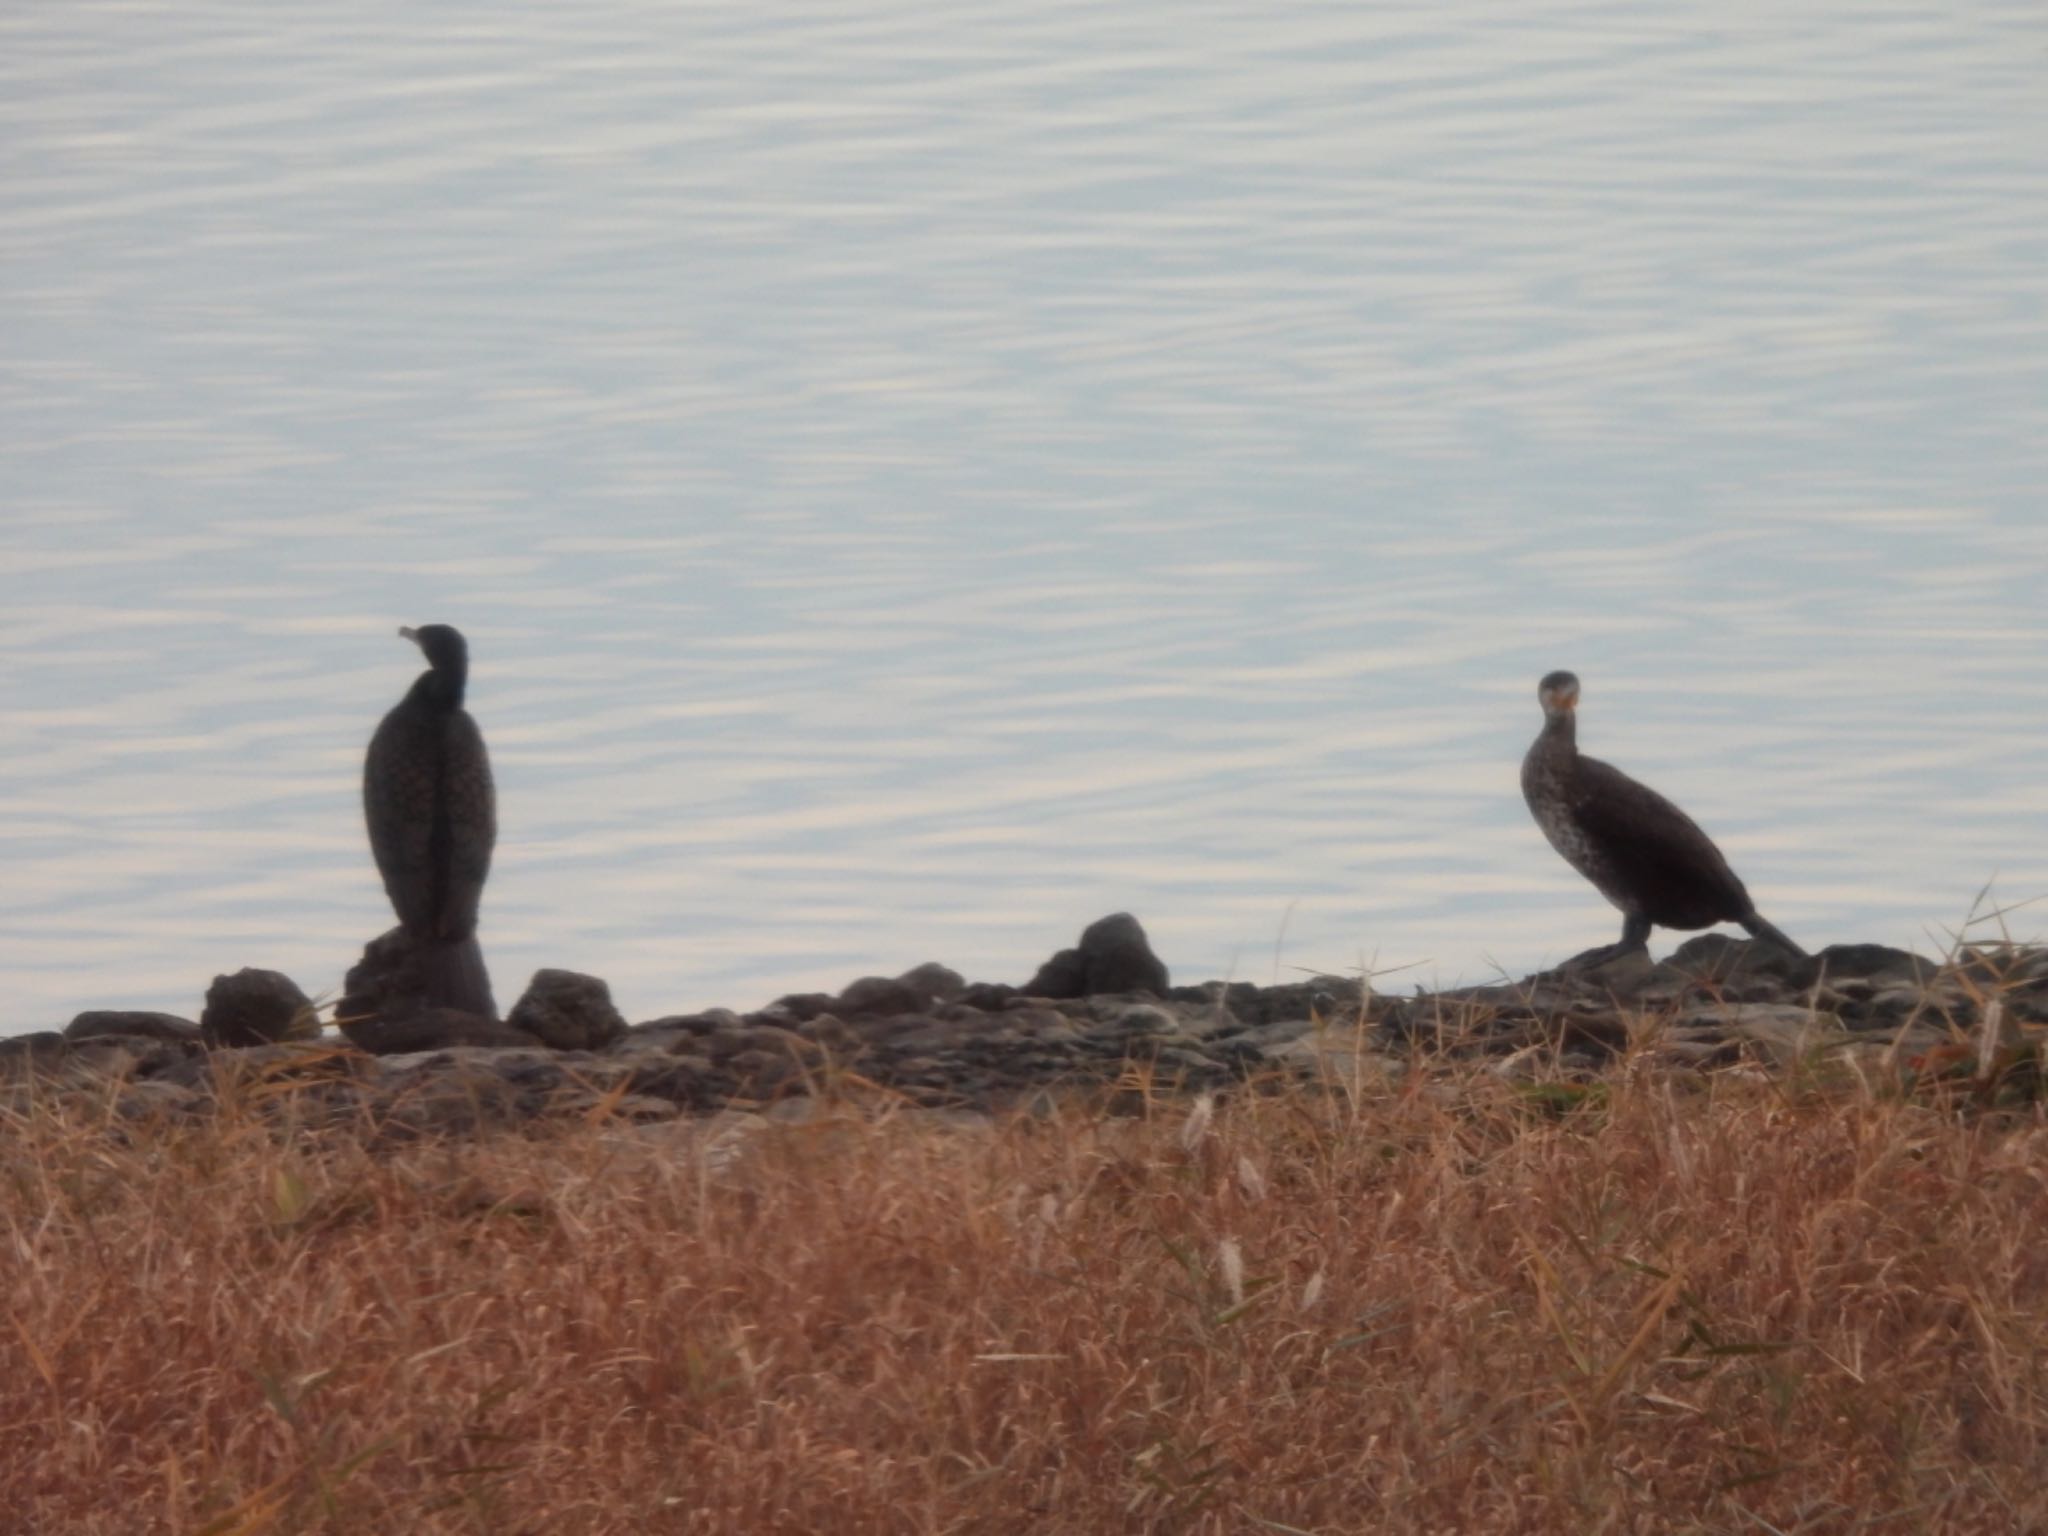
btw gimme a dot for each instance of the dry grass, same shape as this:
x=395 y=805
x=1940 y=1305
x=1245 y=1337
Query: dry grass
x=1441 y=1307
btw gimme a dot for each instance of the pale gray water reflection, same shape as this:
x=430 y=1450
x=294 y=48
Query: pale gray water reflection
x=917 y=478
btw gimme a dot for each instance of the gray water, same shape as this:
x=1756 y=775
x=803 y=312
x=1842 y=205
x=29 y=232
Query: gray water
x=917 y=478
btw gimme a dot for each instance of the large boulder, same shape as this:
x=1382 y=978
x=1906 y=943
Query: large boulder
x=881 y=997
x=934 y=982
x=401 y=974
x=569 y=1011
x=98 y=1023
x=1113 y=956
x=255 y=1007
x=429 y=1029
x=1875 y=962
x=1718 y=957
x=1065 y=975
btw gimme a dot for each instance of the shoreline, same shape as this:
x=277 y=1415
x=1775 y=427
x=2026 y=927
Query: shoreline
x=1102 y=1018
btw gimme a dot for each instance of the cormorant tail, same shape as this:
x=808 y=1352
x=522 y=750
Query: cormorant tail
x=1771 y=934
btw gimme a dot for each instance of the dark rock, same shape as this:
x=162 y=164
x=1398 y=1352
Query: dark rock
x=1716 y=957
x=386 y=982
x=1213 y=993
x=1065 y=975
x=834 y=1033
x=400 y=974
x=2025 y=967
x=798 y=1006
x=710 y=1020
x=43 y=1048
x=124 y=1057
x=429 y=1029
x=156 y=1099
x=1617 y=971
x=254 y=1007
x=1194 y=1066
x=989 y=996
x=760 y=1072
x=689 y=1082
x=1119 y=957
x=1874 y=962
x=96 y=1023
x=569 y=1011
x=1145 y=1019
x=536 y=1072
x=1268 y=1037
x=878 y=995
x=1113 y=956
x=303 y=1062
x=1600 y=1033
x=438 y=1071
x=935 y=982
x=456 y=1093
x=1035 y=1024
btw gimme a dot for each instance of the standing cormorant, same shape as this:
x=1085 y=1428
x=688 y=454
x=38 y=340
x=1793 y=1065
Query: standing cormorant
x=432 y=813
x=1640 y=851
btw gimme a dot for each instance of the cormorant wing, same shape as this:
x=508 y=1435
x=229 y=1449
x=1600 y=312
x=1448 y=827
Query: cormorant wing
x=398 y=805
x=471 y=807
x=1654 y=851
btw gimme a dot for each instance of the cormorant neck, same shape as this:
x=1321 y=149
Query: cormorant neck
x=1561 y=731
x=440 y=689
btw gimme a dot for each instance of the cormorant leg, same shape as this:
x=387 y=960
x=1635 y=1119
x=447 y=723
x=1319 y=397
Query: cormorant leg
x=1771 y=935
x=1635 y=934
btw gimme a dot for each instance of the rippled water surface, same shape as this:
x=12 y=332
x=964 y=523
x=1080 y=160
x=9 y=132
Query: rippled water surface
x=916 y=478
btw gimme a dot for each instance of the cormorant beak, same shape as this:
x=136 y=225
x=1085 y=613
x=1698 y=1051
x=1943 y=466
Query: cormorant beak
x=407 y=632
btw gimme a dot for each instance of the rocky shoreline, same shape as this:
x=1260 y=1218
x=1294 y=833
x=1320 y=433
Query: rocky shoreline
x=1101 y=1018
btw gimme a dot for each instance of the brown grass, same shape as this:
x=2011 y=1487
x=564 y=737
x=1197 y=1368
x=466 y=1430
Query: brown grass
x=1446 y=1306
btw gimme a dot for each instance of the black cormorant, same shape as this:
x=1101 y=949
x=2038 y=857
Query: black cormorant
x=1640 y=851
x=432 y=814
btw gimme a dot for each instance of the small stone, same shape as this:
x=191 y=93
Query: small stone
x=569 y=1011
x=255 y=1007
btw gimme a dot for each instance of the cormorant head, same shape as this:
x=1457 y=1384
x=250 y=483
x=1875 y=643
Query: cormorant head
x=447 y=653
x=1559 y=692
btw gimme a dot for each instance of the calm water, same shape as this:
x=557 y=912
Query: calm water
x=917 y=478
